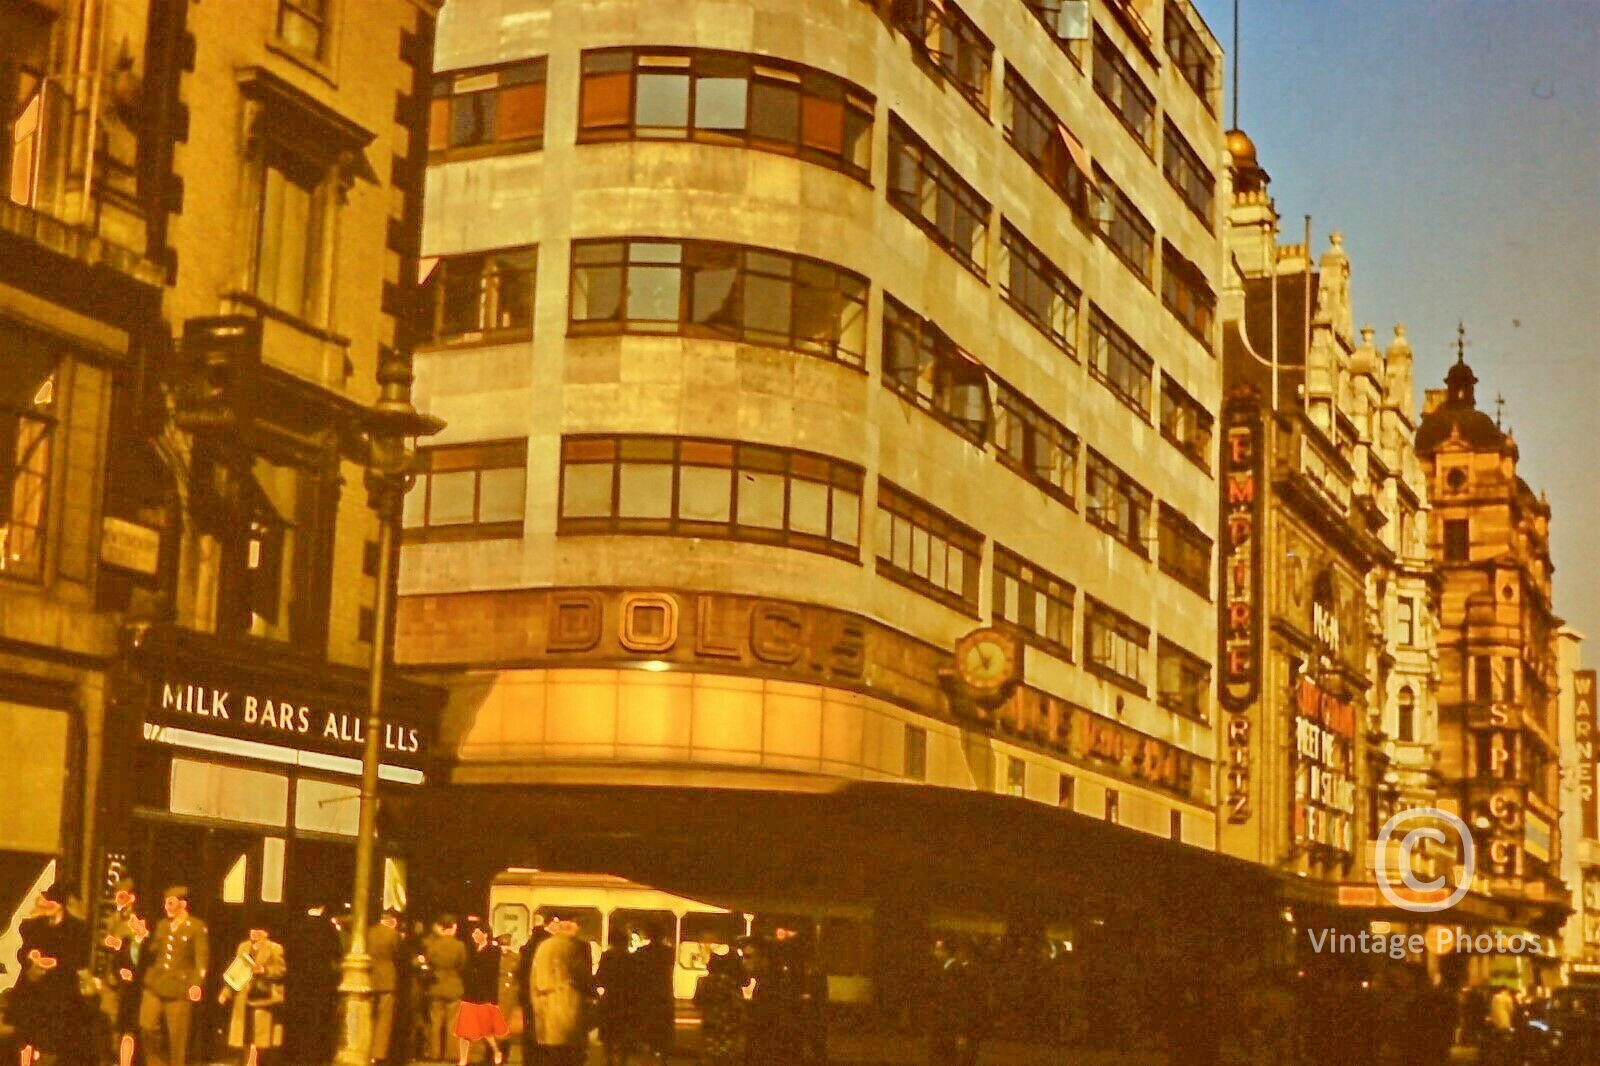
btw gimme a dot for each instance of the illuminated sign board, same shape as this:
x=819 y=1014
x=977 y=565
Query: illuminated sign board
x=1583 y=696
x=1239 y=624
x=1324 y=798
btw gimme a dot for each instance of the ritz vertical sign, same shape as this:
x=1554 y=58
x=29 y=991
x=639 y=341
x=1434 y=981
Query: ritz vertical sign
x=1583 y=697
x=1239 y=605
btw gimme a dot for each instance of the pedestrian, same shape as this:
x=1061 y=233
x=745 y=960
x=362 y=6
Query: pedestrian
x=385 y=947
x=180 y=953
x=128 y=962
x=774 y=1034
x=444 y=955
x=253 y=985
x=1502 y=1021
x=957 y=1005
x=120 y=997
x=46 y=1004
x=719 y=997
x=478 y=1015
x=614 y=994
x=562 y=985
x=653 y=1003
x=538 y=934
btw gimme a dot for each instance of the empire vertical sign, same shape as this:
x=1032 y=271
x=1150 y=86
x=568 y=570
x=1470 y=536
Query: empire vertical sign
x=1239 y=625
x=1583 y=695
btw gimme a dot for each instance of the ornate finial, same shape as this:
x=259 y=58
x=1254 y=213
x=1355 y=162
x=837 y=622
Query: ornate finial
x=1461 y=342
x=1499 y=410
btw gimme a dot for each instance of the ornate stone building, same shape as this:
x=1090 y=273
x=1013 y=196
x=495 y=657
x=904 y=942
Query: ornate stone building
x=1499 y=754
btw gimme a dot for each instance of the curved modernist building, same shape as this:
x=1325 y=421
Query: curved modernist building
x=783 y=346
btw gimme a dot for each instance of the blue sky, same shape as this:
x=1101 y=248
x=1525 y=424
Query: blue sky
x=1456 y=145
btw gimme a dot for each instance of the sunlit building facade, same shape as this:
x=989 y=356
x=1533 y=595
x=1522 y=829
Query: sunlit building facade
x=831 y=392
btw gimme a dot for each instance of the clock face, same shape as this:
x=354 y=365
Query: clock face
x=986 y=660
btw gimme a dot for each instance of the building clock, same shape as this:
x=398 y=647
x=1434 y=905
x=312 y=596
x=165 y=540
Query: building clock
x=988 y=663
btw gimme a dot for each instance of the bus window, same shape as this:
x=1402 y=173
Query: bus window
x=845 y=947
x=662 y=925
x=704 y=935
x=588 y=919
x=510 y=919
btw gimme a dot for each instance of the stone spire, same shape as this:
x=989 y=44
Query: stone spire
x=1333 y=290
x=1398 y=384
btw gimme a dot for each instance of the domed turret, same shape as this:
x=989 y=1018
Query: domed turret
x=1248 y=177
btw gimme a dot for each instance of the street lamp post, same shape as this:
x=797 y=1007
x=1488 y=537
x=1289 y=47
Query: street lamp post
x=392 y=422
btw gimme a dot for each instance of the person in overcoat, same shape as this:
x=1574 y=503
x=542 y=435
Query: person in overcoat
x=562 y=986
x=255 y=1020
x=47 y=1007
x=614 y=1002
x=444 y=955
x=386 y=947
x=654 y=1003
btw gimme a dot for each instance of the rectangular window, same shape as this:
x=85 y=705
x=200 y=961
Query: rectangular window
x=1183 y=682
x=468 y=491
x=1034 y=602
x=925 y=549
x=1190 y=56
x=468 y=298
x=1482 y=678
x=1117 y=504
x=501 y=106
x=1113 y=806
x=1038 y=289
x=28 y=413
x=926 y=368
x=1067 y=23
x=1118 y=363
x=1120 y=87
x=1124 y=228
x=1185 y=552
x=1407 y=724
x=916 y=762
x=726 y=98
x=1185 y=423
x=1406 y=621
x=1508 y=680
x=1457 y=541
x=1067 y=792
x=1045 y=142
x=1031 y=443
x=303 y=26
x=698 y=487
x=291 y=223
x=953 y=43
x=1187 y=173
x=1175 y=825
x=721 y=291
x=1016 y=776
x=1114 y=645
x=1186 y=293
x=929 y=192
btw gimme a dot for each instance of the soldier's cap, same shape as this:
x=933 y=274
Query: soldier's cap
x=176 y=892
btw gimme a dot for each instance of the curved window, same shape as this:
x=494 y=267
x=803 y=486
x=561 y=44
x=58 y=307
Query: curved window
x=696 y=487
x=728 y=291
x=488 y=110
x=679 y=94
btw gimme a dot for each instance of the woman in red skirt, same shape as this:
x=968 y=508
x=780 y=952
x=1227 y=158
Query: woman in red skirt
x=479 y=1017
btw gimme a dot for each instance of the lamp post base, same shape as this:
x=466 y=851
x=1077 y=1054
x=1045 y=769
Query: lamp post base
x=355 y=1005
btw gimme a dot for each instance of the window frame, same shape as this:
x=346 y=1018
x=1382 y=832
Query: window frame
x=817 y=93
x=936 y=185
x=1073 y=47
x=315 y=294
x=1125 y=229
x=1192 y=700
x=491 y=287
x=954 y=45
x=1185 y=423
x=1040 y=272
x=1181 y=38
x=1131 y=509
x=317 y=15
x=1175 y=534
x=943 y=370
x=1010 y=405
x=509 y=453
x=1136 y=635
x=847 y=288
x=745 y=461
x=1043 y=591
x=1188 y=174
x=1456 y=549
x=485 y=87
x=1122 y=90
x=897 y=505
x=39 y=469
x=1037 y=134
x=1126 y=362
x=1187 y=294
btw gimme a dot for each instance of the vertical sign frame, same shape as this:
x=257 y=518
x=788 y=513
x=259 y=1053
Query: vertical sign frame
x=1239 y=599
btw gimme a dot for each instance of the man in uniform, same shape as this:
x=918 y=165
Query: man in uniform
x=124 y=931
x=385 y=947
x=179 y=955
x=445 y=955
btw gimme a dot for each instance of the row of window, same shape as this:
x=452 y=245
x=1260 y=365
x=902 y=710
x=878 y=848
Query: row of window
x=701 y=487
